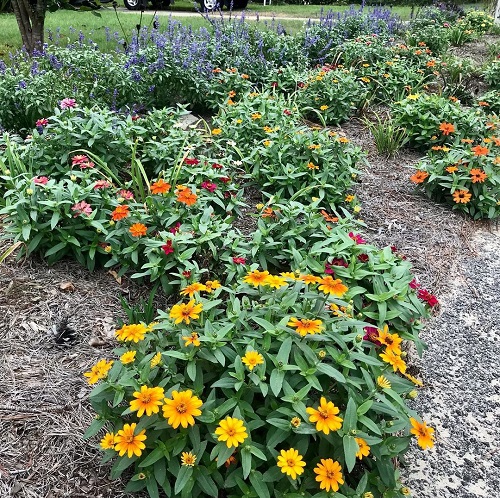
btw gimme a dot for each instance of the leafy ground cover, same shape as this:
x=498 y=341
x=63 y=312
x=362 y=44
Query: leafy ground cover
x=265 y=339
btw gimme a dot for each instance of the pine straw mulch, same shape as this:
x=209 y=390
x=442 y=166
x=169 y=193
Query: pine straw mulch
x=43 y=397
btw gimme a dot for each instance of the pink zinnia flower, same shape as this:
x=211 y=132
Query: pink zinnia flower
x=209 y=186
x=126 y=194
x=40 y=180
x=167 y=248
x=190 y=161
x=101 y=184
x=42 y=122
x=175 y=229
x=67 y=104
x=239 y=260
x=328 y=269
x=81 y=208
x=79 y=159
x=357 y=238
x=371 y=334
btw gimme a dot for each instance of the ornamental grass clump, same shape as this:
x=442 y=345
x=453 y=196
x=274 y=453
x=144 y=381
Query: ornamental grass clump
x=466 y=176
x=262 y=388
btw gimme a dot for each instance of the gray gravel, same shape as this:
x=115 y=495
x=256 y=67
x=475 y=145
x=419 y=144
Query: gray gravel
x=461 y=397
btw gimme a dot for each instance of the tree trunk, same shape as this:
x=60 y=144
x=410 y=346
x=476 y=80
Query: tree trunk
x=30 y=16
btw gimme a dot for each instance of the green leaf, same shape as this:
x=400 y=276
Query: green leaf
x=350 y=417
x=152 y=488
x=327 y=369
x=276 y=381
x=364 y=407
x=94 y=428
x=183 y=477
x=259 y=485
x=350 y=450
x=206 y=483
x=284 y=351
x=55 y=249
x=246 y=462
x=154 y=456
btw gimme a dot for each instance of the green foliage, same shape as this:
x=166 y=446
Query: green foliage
x=490 y=101
x=479 y=21
x=491 y=74
x=422 y=115
x=466 y=177
x=433 y=34
x=208 y=355
x=330 y=96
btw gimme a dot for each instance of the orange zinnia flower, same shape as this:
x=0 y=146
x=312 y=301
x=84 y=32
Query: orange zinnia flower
x=461 y=196
x=329 y=217
x=478 y=175
x=419 y=176
x=451 y=169
x=479 y=150
x=446 y=128
x=186 y=196
x=160 y=187
x=496 y=140
x=138 y=230
x=331 y=286
x=467 y=140
x=120 y=212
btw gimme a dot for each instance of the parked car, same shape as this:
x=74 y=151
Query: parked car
x=205 y=5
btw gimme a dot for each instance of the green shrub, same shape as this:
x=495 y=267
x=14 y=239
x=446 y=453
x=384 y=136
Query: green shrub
x=491 y=74
x=490 y=101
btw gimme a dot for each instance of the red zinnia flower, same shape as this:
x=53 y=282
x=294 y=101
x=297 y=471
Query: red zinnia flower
x=217 y=166
x=209 y=186
x=239 y=260
x=167 y=248
x=191 y=161
x=426 y=296
x=42 y=122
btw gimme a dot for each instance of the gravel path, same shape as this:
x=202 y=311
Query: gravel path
x=462 y=394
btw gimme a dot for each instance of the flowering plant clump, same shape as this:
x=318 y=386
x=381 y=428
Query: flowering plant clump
x=479 y=21
x=274 y=386
x=491 y=74
x=467 y=176
x=331 y=95
x=95 y=221
x=490 y=101
x=431 y=120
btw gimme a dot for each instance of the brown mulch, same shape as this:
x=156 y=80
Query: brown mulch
x=43 y=396
x=431 y=236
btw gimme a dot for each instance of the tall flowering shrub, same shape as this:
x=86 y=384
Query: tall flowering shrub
x=272 y=387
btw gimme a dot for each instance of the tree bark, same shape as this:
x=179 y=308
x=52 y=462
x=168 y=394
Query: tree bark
x=30 y=17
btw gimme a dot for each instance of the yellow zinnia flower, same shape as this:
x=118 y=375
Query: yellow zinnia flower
x=155 y=360
x=188 y=459
x=291 y=463
x=98 y=371
x=252 y=359
x=108 y=441
x=391 y=341
x=133 y=332
x=329 y=474
x=232 y=431
x=193 y=339
x=364 y=449
x=193 y=288
x=181 y=409
x=330 y=286
x=325 y=416
x=212 y=285
x=383 y=382
x=186 y=312
x=394 y=360
x=275 y=282
x=128 y=442
x=149 y=400
x=128 y=357
x=256 y=277
x=424 y=434
x=305 y=326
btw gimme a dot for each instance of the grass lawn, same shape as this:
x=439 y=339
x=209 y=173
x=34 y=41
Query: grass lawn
x=93 y=24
